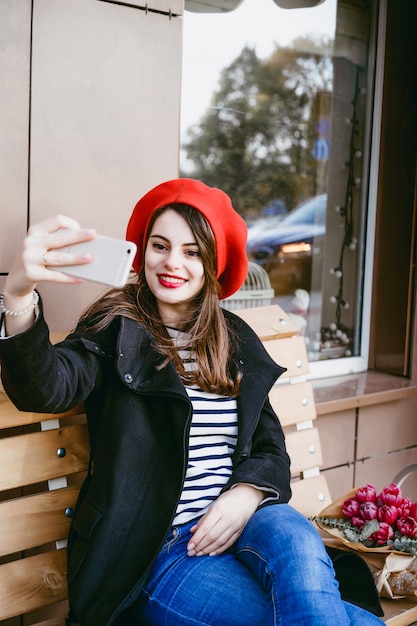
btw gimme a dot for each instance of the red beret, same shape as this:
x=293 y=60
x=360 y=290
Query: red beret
x=228 y=226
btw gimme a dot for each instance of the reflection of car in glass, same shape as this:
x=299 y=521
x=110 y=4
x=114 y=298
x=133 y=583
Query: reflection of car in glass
x=285 y=248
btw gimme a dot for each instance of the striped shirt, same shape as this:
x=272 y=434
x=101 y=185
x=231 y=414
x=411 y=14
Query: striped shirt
x=212 y=441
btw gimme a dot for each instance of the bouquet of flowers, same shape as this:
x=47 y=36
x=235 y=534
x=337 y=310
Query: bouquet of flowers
x=383 y=524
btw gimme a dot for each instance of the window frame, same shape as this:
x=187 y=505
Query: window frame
x=356 y=364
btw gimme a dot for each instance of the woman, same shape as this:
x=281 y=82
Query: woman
x=184 y=517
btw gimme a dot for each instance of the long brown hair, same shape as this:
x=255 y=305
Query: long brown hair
x=210 y=338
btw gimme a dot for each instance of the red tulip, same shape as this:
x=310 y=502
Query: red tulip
x=390 y=495
x=407 y=526
x=366 y=494
x=350 y=507
x=368 y=510
x=388 y=514
x=382 y=536
x=358 y=522
x=404 y=508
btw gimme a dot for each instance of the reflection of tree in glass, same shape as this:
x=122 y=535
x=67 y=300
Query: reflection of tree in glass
x=256 y=141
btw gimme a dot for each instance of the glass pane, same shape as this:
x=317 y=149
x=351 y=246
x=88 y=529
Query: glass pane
x=275 y=111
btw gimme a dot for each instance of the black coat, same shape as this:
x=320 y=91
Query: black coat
x=139 y=420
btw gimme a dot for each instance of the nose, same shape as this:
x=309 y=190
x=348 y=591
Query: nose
x=173 y=260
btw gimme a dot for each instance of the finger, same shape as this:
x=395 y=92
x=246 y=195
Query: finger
x=54 y=259
x=36 y=271
x=63 y=237
x=205 y=538
x=36 y=257
x=54 y=233
x=204 y=525
x=40 y=265
x=225 y=544
x=58 y=277
x=54 y=223
x=217 y=545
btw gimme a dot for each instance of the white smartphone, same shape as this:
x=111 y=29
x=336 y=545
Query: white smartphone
x=111 y=264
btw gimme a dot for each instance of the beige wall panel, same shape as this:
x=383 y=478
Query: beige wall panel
x=339 y=480
x=337 y=435
x=380 y=471
x=105 y=118
x=409 y=485
x=63 y=304
x=15 y=19
x=386 y=427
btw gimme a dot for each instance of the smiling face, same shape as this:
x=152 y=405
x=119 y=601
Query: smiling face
x=173 y=266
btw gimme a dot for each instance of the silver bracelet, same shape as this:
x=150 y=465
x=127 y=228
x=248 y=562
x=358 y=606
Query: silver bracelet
x=28 y=309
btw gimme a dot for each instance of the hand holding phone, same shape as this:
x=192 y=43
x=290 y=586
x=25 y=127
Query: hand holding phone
x=111 y=264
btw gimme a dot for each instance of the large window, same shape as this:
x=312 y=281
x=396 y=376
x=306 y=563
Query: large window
x=276 y=110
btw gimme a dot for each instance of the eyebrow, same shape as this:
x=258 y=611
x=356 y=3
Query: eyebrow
x=193 y=243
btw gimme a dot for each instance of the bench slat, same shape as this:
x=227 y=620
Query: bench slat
x=304 y=449
x=35 y=520
x=32 y=458
x=11 y=417
x=269 y=322
x=57 y=621
x=311 y=495
x=31 y=583
x=293 y=403
x=290 y=352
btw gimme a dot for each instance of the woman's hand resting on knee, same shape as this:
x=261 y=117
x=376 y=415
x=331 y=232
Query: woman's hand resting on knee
x=225 y=520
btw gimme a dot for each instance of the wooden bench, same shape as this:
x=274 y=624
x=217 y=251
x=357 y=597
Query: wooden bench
x=43 y=459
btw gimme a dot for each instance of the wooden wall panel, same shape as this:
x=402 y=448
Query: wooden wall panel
x=15 y=20
x=105 y=119
x=339 y=479
x=337 y=435
x=387 y=427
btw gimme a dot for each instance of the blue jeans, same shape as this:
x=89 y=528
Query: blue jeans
x=277 y=574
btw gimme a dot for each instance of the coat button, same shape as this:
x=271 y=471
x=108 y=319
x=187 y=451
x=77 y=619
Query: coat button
x=128 y=378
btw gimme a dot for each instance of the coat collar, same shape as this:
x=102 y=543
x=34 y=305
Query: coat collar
x=138 y=361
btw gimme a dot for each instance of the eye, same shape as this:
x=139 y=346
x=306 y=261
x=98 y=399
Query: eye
x=158 y=246
x=194 y=253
